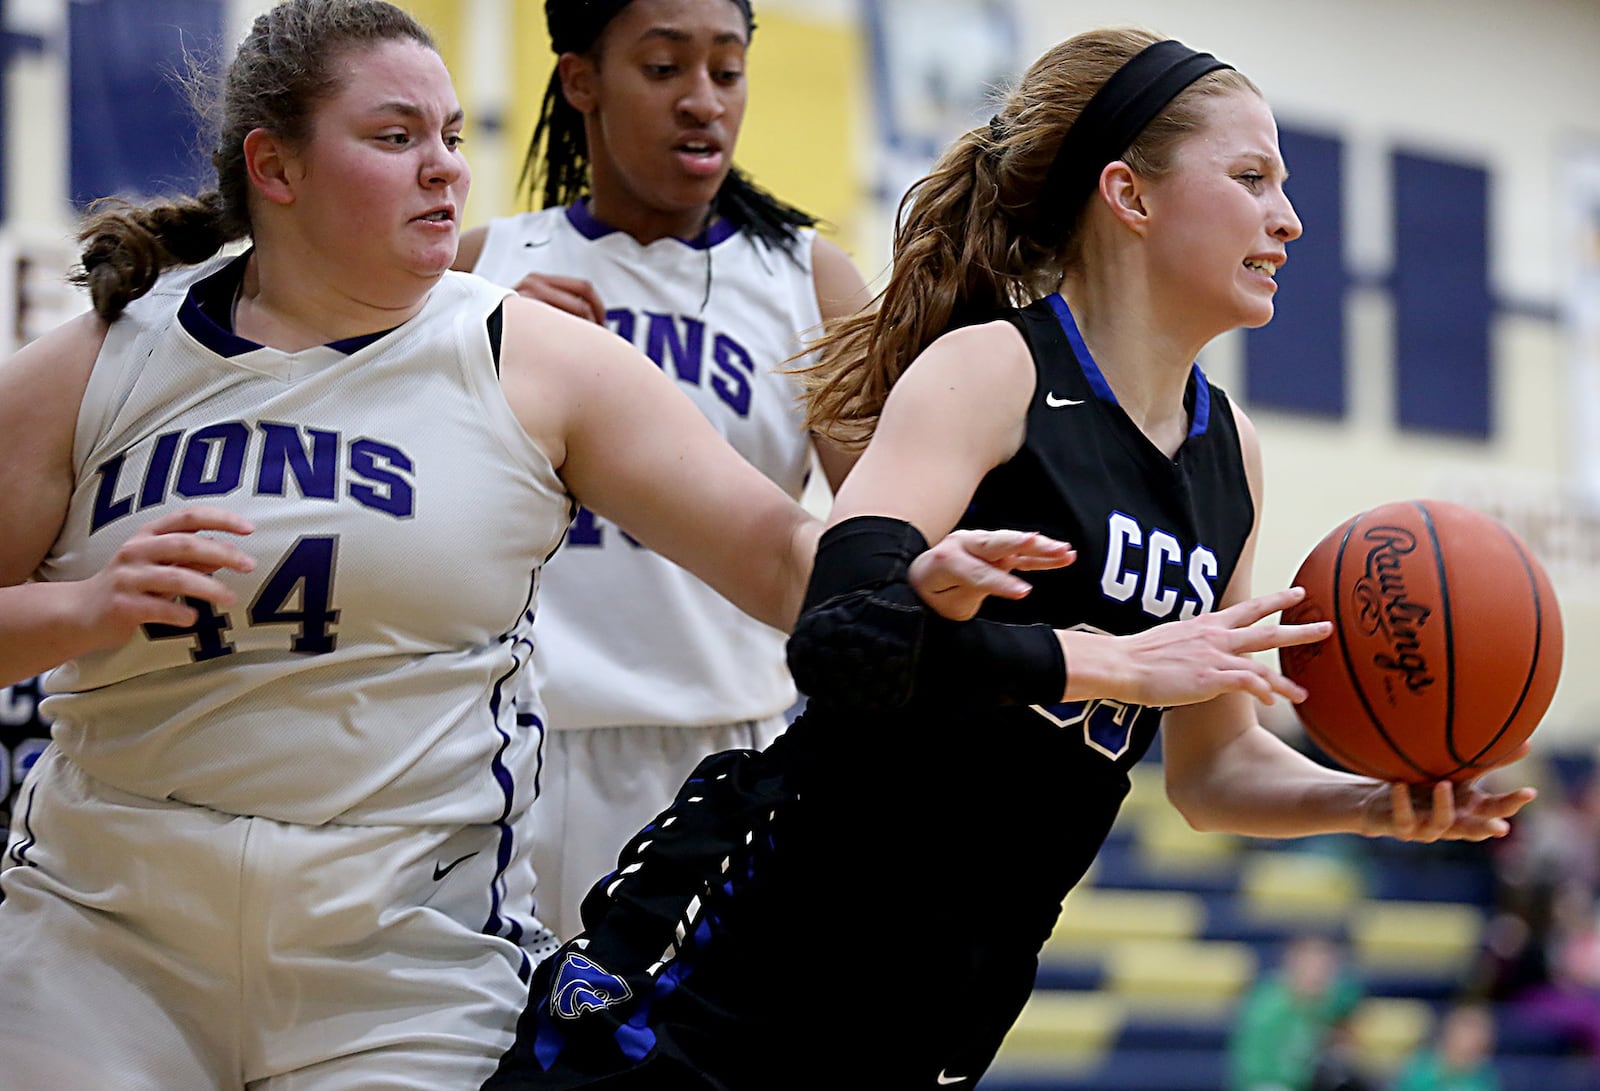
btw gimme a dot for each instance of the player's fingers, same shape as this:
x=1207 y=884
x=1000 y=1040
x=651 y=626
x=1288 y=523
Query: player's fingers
x=591 y=298
x=994 y=545
x=954 y=584
x=1505 y=804
x=1282 y=685
x=208 y=554
x=573 y=304
x=571 y=285
x=1252 y=679
x=1261 y=638
x=166 y=581
x=1037 y=562
x=1253 y=610
x=166 y=611
x=194 y=551
x=1275 y=683
x=1441 y=812
x=964 y=572
x=963 y=560
x=538 y=285
x=574 y=295
x=1404 y=815
x=1476 y=819
x=198 y=517
x=580 y=299
x=549 y=291
x=1445 y=811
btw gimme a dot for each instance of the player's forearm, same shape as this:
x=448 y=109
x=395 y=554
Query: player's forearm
x=796 y=572
x=1257 y=785
x=40 y=627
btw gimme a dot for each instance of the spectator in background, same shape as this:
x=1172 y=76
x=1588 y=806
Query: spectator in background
x=23 y=735
x=1287 y=1034
x=1541 y=955
x=1460 y=1058
x=1558 y=847
x=1562 y=997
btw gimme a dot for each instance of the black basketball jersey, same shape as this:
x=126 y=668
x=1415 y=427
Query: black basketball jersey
x=863 y=903
x=1158 y=538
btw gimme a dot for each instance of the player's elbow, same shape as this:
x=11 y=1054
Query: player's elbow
x=857 y=651
x=1198 y=802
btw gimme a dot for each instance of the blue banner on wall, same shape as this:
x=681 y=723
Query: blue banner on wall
x=1297 y=361
x=133 y=129
x=1443 y=305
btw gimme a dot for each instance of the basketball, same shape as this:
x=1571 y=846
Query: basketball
x=1446 y=643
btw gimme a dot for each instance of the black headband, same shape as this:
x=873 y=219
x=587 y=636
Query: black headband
x=575 y=24
x=1115 y=116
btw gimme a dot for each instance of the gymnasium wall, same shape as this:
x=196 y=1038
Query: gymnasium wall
x=1446 y=266
x=1437 y=333
x=1438 y=329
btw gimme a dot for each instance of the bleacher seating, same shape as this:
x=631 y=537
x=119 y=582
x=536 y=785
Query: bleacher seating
x=1138 y=985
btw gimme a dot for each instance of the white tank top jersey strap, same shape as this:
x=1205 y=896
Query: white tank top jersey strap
x=368 y=672
x=625 y=636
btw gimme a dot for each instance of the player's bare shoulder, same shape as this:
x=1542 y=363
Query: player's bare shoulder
x=42 y=384
x=988 y=364
x=66 y=354
x=556 y=368
x=974 y=382
x=840 y=288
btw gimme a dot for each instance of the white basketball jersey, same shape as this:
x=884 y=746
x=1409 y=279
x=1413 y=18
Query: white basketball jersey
x=367 y=673
x=625 y=636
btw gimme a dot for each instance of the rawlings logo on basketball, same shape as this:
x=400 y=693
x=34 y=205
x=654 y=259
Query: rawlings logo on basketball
x=1446 y=646
x=1382 y=607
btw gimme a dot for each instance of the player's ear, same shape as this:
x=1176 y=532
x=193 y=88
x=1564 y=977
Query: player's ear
x=272 y=166
x=577 y=74
x=1123 y=192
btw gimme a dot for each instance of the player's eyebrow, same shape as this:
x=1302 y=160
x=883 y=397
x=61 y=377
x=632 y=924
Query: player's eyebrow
x=412 y=110
x=1268 y=161
x=677 y=34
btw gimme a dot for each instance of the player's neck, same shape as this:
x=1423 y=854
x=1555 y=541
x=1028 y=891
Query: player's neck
x=294 y=310
x=646 y=224
x=1146 y=365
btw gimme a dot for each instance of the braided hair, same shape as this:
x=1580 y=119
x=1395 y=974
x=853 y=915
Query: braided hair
x=556 y=167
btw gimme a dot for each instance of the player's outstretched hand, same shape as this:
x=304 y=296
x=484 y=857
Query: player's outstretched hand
x=571 y=294
x=1445 y=811
x=1185 y=662
x=967 y=566
x=168 y=560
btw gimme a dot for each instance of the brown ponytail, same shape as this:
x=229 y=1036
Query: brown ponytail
x=971 y=241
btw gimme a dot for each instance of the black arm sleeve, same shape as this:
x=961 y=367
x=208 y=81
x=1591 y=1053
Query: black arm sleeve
x=865 y=640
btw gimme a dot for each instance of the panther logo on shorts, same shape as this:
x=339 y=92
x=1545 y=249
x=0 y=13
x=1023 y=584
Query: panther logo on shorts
x=583 y=985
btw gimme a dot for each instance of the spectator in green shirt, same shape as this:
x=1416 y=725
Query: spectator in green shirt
x=1287 y=1022
x=1460 y=1058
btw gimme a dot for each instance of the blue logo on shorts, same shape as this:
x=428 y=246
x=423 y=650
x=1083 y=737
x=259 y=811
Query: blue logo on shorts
x=582 y=985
